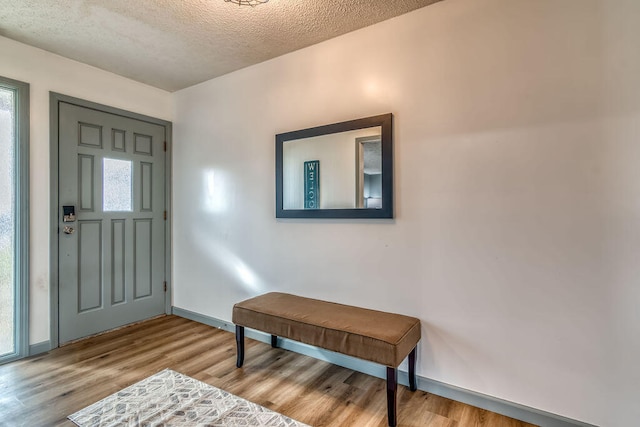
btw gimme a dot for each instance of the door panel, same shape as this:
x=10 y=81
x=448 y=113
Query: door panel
x=111 y=264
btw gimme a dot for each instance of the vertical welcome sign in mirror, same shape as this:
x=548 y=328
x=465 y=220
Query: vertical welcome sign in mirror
x=312 y=184
x=341 y=170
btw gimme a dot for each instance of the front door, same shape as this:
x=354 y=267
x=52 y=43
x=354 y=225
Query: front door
x=111 y=241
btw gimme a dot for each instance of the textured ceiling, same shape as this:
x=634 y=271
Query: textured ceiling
x=173 y=44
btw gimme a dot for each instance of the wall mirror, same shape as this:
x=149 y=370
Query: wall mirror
x=341 y=170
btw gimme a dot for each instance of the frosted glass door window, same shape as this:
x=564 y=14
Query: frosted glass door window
x=7 y=221
x=117 y=181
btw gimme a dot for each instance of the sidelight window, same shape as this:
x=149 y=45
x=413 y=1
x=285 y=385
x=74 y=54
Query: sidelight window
x=14 y=127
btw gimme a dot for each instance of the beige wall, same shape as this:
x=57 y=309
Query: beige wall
x=46 y=72
x=517 y=230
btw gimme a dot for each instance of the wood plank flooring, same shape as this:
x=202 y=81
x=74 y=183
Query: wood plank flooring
x=43 y=390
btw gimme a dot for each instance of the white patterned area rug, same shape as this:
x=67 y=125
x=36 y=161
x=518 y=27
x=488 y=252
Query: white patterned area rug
x=169 y=398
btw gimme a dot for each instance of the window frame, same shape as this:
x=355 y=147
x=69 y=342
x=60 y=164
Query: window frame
x=21 y=218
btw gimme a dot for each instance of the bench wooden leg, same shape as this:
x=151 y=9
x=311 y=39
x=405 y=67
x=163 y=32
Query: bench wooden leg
x=392 y=386
x=412 y=370
x=274 y=341
x=240 y=345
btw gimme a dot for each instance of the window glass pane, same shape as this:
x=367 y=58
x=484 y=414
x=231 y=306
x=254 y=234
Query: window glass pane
x=117 y=185
x=7 y=220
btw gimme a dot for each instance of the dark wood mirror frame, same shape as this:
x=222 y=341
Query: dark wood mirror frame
x=385 y=121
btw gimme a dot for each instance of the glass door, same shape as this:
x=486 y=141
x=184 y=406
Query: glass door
x=7 y=222
x=13 y=218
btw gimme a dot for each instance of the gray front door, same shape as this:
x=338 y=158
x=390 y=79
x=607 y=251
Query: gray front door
x=111 y=251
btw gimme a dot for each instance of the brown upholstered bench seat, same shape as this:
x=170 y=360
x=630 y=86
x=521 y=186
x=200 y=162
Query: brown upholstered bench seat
x=376 y=336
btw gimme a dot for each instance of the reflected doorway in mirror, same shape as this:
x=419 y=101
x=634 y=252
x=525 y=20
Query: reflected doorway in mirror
x=369 y=172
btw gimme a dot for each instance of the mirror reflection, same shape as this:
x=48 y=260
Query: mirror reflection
x=340 y=170
x=336 y=171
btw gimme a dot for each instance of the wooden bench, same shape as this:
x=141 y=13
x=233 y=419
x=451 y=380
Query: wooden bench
x=376 y=336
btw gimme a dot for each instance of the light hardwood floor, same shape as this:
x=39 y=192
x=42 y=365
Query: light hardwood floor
x=43 y=390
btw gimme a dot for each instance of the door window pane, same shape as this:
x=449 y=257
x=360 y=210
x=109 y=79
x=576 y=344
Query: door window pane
x=7 y=221
x=117 y=184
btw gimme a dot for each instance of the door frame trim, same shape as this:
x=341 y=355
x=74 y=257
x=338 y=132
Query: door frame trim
x=54 y=114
